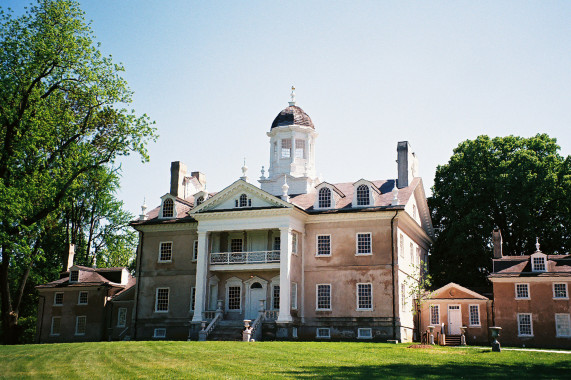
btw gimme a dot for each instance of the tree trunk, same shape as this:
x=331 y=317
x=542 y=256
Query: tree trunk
x=9 y=319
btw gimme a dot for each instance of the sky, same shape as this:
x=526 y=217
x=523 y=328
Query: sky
x=214 y=74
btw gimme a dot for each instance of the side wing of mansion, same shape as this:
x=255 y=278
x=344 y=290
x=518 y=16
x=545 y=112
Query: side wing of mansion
x=300 y=257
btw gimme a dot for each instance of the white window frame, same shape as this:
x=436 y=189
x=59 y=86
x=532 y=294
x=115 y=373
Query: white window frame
x=160 y=333
x=293 y=295
x=357 y=244
x=528 y=291
x=357 y=296
x=273 y=299
x=519 y=325
x=317 y=308
x=357 y=198
x=77 y=319
x=479 y=324
x=404 y=301
x=401 y=245
x=52 y=333
x=320 y=199
x=157 y=299
x=159 y=260
x=55 y=299
x=433 y=307
x=71 y=274
x=285 y=152
x=317 y=245
x=534 y=265
x=86 y=297
x=234 y=282
x=195 y=250
x=566 y=297
x=319 y=333
x=163 y=209
x=361 y=330
x=121 y=321
x=294 y=243
x=565 y=316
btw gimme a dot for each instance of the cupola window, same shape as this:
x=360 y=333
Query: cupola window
x=363 y=195
x=168 y=208
x=299 y=148
x=286 y=148
x=324 y=197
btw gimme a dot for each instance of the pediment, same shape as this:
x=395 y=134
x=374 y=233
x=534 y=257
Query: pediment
x=240 y=196
x=455 y=291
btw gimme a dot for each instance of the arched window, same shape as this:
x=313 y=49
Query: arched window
x=324 y=197
x=168 y=208
x=243 y=200
x=199 y=200
x=363 y=195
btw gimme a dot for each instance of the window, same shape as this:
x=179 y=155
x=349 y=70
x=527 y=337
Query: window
x=199 y=201
x=401 y=245
x=195 y=251
x=294 y=243
x=165 y=252
x=417 y=258
x=562 y=325
x=524 y=325
x=192 y=298
x=435 y=315
x=162 y=300
x=323 y=332
x=294 y=296
x=411 y=253
x=58 y=299
x=323 y=245
x=299 y=148
x=277 y=243
x=363 y=195
x=522 y=291
x=364 y=297
x=286 y=148
x=122 y=317
x=74 y=276
x=160 y=333
x=275 y=150
x=168 y=208
x=364 y=243
x=236 y=245
x=538 y=264
x=364 y=333
x=56 y=323
x=234 y=297
x=560 y=291
x=275 y=297
x=323 y=297
x=474 y=315
x=324 y=197
x=80 y=324
x=403 y=295
x=243 y=200
x=82 y=299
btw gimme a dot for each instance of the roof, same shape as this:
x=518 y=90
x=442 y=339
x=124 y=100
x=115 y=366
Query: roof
x=520 y=266
x=292 y=115
x=455 y=291
x=90 y=277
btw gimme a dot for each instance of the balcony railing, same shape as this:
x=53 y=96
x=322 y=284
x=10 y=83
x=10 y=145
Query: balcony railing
x=255 y=257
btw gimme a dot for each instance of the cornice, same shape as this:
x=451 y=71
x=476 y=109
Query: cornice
x=242 y=213
x=346 y=216
x=167 y=227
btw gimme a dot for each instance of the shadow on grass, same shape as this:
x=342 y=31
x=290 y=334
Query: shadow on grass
x=560 y=370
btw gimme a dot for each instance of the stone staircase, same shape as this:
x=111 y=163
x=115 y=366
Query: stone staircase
x=227 y=330
x=453 y=340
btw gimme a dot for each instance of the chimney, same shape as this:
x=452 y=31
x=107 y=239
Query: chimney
x=407 y=164
x=70 y=255
x=497 y=241
x=201 y=177
x=178 y=171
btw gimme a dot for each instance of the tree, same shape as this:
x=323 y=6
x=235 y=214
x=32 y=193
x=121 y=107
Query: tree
x=418 y=284
x=521 y=185
x=62 y=115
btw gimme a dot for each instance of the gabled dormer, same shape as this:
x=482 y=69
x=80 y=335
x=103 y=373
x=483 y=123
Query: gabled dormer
x=168 y=207
x=364 y=193
x=538 y=262
x=74 y=275
x=200 y=197
x=327 y=196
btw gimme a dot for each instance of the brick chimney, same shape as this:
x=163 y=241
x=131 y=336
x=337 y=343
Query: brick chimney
x=407 y=164
x=178 y=172
x=70 y=255
x=497 y=241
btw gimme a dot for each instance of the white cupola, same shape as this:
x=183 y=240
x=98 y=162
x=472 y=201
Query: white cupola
x=292 y=152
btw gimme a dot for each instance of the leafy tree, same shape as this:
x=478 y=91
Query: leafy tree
x=521 y=185
x=62 y=115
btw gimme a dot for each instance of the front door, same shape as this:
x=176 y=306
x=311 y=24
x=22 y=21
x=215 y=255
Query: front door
x=454 y=319
x=257 y=293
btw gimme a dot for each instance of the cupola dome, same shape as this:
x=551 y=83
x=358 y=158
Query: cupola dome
x=292 y=115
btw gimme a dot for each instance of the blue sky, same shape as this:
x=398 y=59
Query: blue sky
x=214 y=74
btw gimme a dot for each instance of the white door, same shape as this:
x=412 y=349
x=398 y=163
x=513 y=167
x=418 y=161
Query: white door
x=454 y=319
x=257 y=293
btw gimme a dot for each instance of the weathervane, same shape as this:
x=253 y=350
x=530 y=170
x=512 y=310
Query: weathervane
x=292 y=96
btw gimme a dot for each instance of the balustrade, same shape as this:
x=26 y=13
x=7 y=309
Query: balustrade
x=254 y=257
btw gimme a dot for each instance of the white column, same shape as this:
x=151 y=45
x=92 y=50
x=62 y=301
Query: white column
x=284 y=315
x=201 y=269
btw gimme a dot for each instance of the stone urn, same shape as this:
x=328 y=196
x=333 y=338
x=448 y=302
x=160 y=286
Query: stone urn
x=495 y=332
x=430 y=334
x=463 y=335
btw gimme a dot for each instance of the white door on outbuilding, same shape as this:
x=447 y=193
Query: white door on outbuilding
x=454 y=319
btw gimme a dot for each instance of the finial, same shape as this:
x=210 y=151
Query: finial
x=244 y=170
x=292 y=96
x=143 y=215
x=263 y=171
x=537 y=244
x=285 y=189
x=395 y=195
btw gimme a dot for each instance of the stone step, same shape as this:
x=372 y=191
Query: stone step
x=453 y=340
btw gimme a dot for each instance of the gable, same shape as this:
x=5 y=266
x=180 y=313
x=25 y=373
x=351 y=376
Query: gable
x=455 y=291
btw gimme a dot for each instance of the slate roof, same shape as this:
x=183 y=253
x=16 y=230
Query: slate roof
x=90 y=277
x=520 y=266
x=292 y=115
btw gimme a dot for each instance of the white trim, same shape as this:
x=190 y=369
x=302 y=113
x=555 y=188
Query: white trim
x=77 y=333
x=160 y=250
x=326 y=330
x=174 y=202
x=538 y=255
x=530 y=325
x=568 y=325
x=360 y=331
x=470 y=315
x=86 y=298
x=430 y=308
x=157 y=299
x=73 y=271
x=357 y=244
x=119 y=310
x=232 y=282
x=294 y=295
x=528 y=291
x=357 y=296
x=317 y=297
x=317 y=245
x=566 y=291
x=55 y=298
x=449 y=314
x=160 y=333
x=195 y=250
x=273 y=283
x=248 y=293
x=52 y=326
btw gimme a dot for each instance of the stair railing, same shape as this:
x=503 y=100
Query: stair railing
x=257 y=325
x=206 y=330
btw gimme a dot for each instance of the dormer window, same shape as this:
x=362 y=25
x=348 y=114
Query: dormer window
x=538 y=264
x=324 y=197
x=363 y=195
x=74 y=276
x=168 y=208
x=199 y=200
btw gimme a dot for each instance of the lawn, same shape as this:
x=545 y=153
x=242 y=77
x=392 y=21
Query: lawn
x=316 y=360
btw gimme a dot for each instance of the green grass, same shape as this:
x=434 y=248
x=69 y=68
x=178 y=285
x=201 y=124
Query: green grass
x=315 y=360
